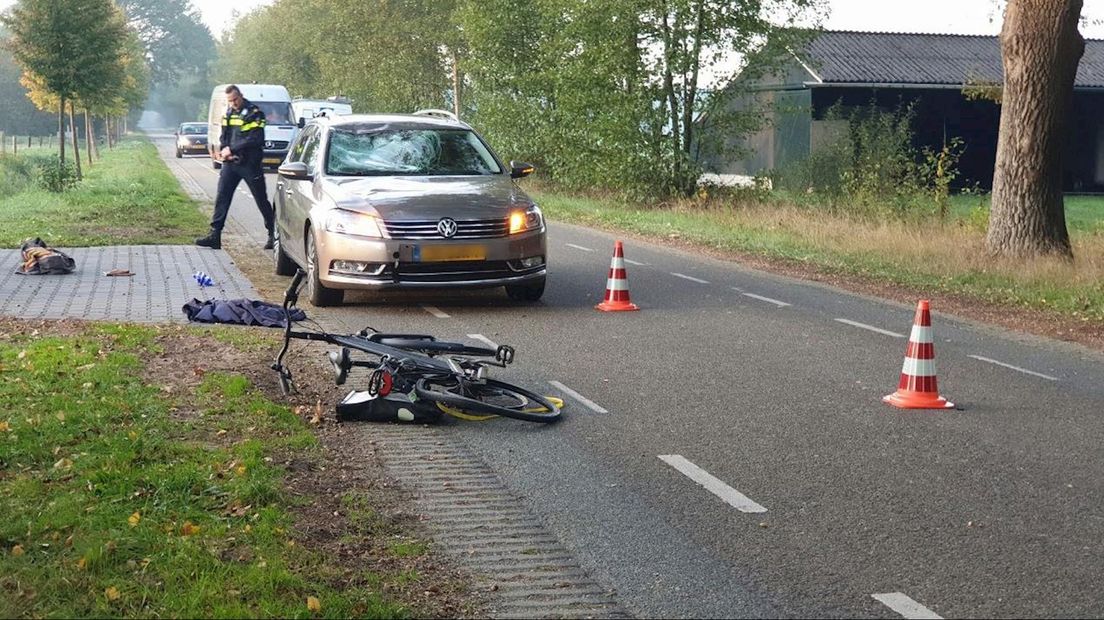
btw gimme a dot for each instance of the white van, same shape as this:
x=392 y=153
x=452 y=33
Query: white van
x=307 y=109
x=280 y=121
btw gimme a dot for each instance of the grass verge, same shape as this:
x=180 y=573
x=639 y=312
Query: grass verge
x=128 y=197
x=135 y=481
x=948 y=259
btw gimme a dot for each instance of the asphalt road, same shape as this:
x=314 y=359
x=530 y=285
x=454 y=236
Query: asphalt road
x=993 y=509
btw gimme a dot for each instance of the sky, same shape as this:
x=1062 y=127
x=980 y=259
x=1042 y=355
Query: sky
x=946 y=16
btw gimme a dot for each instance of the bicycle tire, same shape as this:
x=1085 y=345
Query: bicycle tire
x=478 y=400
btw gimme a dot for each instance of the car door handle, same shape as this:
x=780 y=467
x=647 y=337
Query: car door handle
x=288 y=191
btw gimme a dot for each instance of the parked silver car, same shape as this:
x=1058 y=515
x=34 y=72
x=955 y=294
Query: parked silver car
x=404 y=202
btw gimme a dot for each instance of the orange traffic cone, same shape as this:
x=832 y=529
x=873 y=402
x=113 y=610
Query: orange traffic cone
x=917 y=389
x=617 y=286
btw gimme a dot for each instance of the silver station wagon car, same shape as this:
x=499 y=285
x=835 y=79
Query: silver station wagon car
x=404 y=202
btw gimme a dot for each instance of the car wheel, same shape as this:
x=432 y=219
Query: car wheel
x=281 y=262
x=179 y=155
x=531 y=291
x=318 y=293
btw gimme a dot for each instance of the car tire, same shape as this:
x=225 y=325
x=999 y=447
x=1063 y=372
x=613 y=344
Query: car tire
x=318 y=293
x=531 y=291
x=281 y=262
x=179 y=155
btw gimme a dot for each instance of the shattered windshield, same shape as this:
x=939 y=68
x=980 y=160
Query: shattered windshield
x=415 y=152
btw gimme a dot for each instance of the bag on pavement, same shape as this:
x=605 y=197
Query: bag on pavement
x=42 y=260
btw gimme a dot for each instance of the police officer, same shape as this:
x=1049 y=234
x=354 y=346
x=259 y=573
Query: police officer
x=241 y=147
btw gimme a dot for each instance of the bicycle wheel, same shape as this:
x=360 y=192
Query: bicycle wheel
x=490 y=398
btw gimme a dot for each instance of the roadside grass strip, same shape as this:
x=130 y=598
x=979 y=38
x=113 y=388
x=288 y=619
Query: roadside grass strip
x=905 y=606
x=435 y=311
x=120 y=497
x=871 y=328
x=690 y=278
x=589 y=404
x=1016 y=368
x=128 y=197
x=731 y=496
x=780 y=304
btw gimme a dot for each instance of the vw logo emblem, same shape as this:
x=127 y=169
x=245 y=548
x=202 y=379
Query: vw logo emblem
x=268 y=144
x=447 y=227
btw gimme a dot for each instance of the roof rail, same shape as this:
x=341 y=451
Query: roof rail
x=438 y=113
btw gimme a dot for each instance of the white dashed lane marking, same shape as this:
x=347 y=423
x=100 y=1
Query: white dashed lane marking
x=632 y=262
x=578 y=397
x=435 y=311
x=780 y=304
x=870 y=328
x=483 y=339
x=1016 y=368
x=578 y=247
x=691 y=278
x=731 y=496
x=905 y=606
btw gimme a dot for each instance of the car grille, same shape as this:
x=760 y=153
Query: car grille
x=465 y=229
x=276 y=145
x=452 y=271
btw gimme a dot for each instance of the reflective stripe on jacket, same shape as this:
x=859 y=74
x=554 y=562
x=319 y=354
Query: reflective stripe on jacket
x=243 y=132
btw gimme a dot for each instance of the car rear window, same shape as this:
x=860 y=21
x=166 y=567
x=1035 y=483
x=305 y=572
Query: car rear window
x=413 y=152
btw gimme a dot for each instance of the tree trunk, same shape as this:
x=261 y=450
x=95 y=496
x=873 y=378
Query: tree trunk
x=89 y=144
x=455 y=85
x=1041 y=48
x=76 y=146
x=669 y=58
x=61 y=130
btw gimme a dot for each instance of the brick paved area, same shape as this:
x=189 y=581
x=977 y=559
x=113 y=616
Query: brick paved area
x=162 y=284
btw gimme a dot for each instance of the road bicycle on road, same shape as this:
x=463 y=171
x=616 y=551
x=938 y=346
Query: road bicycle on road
x=415 y=377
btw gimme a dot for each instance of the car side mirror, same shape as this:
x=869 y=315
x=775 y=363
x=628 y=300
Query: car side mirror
x=519 y=169
x=295 y=170
x=301 y=123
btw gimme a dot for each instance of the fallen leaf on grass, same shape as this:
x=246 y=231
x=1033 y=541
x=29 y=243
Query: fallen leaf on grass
x=81 y=563
x=17 y=550
x=240 y=470
x=189 y=529
x=112 y=593
x=5 y=427
x=134 y=518
x=317 y=417
x=63 y=464
x=314 y=604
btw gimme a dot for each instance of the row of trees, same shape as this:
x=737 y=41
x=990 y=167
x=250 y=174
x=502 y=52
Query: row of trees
x=603 y=94
x=77 y=54
x=615 y=95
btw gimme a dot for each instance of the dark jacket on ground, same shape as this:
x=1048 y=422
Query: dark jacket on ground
x=243 y=132
x=239 y=312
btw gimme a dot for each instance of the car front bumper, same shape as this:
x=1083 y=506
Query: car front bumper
x=394 y=264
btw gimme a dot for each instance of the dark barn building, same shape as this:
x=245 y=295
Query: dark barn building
x=934 y=72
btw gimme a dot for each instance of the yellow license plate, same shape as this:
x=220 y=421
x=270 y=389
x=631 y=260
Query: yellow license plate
x=271 y=160
x=438 y=253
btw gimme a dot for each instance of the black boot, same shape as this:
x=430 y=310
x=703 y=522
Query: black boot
x=213 y=240
x=271 y=242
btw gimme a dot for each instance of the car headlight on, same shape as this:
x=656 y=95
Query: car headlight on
x=352 y=223
x=529 y=219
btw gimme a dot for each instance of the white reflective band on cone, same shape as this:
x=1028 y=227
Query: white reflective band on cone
x=617 y=263
x=617 y=285
x=921 y=333
x=918 y=368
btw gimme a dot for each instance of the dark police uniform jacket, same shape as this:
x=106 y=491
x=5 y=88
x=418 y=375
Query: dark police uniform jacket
x=243 y=132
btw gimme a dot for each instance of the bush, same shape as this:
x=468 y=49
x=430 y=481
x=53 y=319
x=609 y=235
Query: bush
x=872 y=168
x=17 y=173
x=55 y=176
